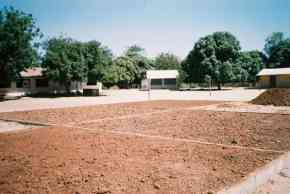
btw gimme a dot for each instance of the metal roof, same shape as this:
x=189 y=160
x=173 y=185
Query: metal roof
x=161 y=74
x=274 y=71
x=32 y=72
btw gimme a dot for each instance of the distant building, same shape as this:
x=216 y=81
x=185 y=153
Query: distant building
x=274 y=78
x=33 y=81
x=160 y=79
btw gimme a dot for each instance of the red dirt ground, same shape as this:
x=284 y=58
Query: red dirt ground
x=267 y=131
x=70 y=161
x=59 y=160
x=80 y=114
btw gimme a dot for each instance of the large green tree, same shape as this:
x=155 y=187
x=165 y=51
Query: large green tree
x=141 y=62
x=167 y=61
x=18 y=43
x=280 y=57
x=213 y=57
x=65 y=61
x=277 y=47
x=122 y=72
x=273 y=41
x=248 y=64
x=97 y=58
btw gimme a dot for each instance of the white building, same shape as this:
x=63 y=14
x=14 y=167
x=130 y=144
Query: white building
x=33 y=82
x=160 y=79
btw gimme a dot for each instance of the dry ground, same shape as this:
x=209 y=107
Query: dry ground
x=87 y=113
x=131 y=95
x=266 y=131
x=147 y=147
x=66 y=160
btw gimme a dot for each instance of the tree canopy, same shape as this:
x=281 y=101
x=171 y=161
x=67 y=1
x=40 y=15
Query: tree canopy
x=272 y=42
x=97 y=58
x=141 y=62
x=122 y=72
x=18 y=43
x=280 y=58
x=64 y=61
x=248 y=64
x=213 y=56
x=277 y=47
x=134 y=51
x=166 y=61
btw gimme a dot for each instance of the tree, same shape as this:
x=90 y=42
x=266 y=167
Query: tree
x=280 y=57
x=248 y=65
x=167 y=61
x=134 y=51
x=97 y=58
x=272 y=42
x=64 y=61
x=277 y=47
x=18 y=43
x=141 y=62
x=122 y=72
x=214 y=56
x=241 y=74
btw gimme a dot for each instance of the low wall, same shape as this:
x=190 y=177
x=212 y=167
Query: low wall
x=259 y=177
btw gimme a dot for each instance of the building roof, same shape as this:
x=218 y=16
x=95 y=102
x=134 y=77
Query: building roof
x=161 y=74
x=274 y=71
x=32 y=72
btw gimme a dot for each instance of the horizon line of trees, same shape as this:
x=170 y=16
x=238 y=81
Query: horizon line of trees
x=216 y=58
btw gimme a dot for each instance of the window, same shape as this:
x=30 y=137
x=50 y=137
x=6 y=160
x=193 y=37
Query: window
x=156 y=82
x=41 y=83
x=170 y=81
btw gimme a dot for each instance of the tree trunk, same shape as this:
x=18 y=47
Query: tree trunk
x=67 y=87
x=219 y=86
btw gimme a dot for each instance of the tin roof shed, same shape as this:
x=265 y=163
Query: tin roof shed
x=274 y=71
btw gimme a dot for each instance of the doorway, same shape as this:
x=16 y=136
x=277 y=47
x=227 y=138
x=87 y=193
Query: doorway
x=273 y=81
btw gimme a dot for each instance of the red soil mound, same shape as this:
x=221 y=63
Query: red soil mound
x=276 y=97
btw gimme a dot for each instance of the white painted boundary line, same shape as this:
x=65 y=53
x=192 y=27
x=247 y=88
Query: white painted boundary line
x=259 y=177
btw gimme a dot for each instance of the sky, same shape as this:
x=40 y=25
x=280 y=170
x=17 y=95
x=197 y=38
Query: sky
x=158 y=25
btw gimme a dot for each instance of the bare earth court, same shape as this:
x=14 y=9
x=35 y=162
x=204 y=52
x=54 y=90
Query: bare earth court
x=166 y=146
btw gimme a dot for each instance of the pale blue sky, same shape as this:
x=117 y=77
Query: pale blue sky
x=158 y=25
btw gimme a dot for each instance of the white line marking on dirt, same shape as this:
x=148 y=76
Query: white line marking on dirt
x=149 y=136
x=207 y=108
x=176 y=139
x=202 y=108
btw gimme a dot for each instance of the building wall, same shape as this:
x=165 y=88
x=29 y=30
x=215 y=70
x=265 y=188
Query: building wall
x=264 y=82
x=31 y=88
x=158 y=84
x=282 y=81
